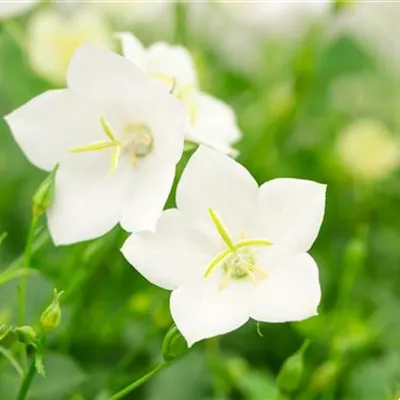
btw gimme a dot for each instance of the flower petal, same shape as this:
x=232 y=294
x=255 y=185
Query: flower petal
x=171 y=256
x=171 y=61
x=87 y=200
x=133 y=49
x=291 y=291
x=213 y=180
x=106 y=77
x=50 y=124
x=130 y=97
x=290 y=213
x=215 y=124
x=146 y=197
x=203 y=310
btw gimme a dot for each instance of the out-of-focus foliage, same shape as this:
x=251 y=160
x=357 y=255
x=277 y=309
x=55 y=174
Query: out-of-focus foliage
x=313 y=102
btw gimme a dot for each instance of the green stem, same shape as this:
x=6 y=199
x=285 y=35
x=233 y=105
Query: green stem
x=26 y=383
x=180 y=23
x=22 y=282
x=128 y=389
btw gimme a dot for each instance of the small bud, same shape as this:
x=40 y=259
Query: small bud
x=174 y=345
x=289 y=376
x=43 y=196
x=51 y=316
x=26 y=334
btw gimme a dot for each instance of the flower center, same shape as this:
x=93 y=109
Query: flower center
x=237 y=261
x=137 y=143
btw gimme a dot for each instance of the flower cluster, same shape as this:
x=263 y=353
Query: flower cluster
x=231 y=250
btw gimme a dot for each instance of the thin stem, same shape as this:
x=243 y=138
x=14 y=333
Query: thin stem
x=26 y=383
x=22 y=282
x=128 y=389
x=180 y=23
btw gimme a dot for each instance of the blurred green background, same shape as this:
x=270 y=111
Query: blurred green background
x=317 y=96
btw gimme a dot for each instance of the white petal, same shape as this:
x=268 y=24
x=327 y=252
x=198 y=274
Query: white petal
x=133 y=49
x=203 y=310
x=291 y=292
x=131 y=97
x=87 y=200
x=172 y=255
x=107 y=77
x=290 y=213
x=146 y=197
x=51 y=124
x=171 y=61
x=213 y=180
x=215 y=124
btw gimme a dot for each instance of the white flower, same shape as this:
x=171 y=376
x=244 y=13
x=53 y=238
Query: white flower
x=210 y=121
x=53 y=38
x=233 y=250
x=12 y=8
x=116 y=137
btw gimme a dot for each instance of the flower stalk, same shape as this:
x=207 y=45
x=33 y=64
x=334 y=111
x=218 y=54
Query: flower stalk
x=128 y=389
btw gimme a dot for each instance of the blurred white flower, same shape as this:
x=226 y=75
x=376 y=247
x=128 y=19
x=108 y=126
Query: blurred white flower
x=13 y=8
x=233 y=251
x=367 y=150
x=116 y=137
x=53 y=37
x=210 y=121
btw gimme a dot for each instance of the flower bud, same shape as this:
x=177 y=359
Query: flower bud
x=26 y=334
x=51 y=316
x=43 y=196
x=174 y=345
x=289 y=376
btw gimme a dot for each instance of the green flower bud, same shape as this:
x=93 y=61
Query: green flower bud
x=43 y=196
x=26 y=334
x=174 y=345
x=289 y=376
x=51 y=316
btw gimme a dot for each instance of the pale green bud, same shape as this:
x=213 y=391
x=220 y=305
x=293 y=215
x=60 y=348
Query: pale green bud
x=44 y=194
x=26 y=334
x=290 y=375
x=51 y=316
x=174 y=345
